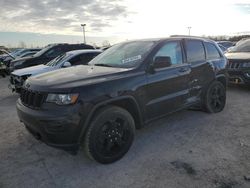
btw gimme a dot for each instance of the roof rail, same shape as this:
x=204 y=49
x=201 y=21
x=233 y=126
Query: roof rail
x=185 y=36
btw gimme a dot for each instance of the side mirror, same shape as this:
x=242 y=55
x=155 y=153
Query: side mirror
x=162 y=62
x=66 y=64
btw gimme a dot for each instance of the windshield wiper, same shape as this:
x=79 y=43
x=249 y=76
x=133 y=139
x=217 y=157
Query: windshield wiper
x=102 y=64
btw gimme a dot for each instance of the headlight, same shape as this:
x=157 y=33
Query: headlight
x=18 y=63
x=24 y=77
x=62 y=99
x=246 y=65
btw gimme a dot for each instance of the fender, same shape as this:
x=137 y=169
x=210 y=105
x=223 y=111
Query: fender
x=85 y=125
x=222 y=78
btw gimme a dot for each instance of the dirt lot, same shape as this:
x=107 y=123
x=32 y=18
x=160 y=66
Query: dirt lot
x=186 y=149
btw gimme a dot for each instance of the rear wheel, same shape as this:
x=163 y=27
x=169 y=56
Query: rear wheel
x=215 y=97
x=110 y=134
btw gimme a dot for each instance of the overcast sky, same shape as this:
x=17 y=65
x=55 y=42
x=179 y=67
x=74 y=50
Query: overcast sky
x=118 y=20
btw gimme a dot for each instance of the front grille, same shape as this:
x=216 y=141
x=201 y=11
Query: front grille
x=234 y=65
x=32 y=99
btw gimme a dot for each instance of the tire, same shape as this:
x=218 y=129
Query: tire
x=110 y=135
x=215 y=97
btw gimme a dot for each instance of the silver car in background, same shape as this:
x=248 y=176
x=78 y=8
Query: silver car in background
x=71 y=58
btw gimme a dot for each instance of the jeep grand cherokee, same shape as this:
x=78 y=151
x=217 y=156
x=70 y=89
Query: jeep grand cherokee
x=239 y=63
x=99 y=106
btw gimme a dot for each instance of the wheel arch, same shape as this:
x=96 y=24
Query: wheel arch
x=127 y=102
x=223 y=79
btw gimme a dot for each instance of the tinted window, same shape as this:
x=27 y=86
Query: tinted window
x=83 y=59
x=88 y=57
x=195 y=51
x=54 y=52
x=75 y=60
x=173 y=50
x=212 y=52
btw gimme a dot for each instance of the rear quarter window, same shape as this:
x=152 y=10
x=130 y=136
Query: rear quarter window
x=212 y=51
x=195 y=51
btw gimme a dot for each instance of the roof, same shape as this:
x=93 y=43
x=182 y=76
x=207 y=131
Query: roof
x=172 y=37
x=77 y=52
x=192 y=37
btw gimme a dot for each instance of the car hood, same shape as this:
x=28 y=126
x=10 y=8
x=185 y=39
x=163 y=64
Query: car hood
x=74 y=77
x=22 y=59
x=238 y=55
x=34 y=70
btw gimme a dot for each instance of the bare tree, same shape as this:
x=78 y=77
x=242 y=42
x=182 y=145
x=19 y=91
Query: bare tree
x=106 y=43
x=22 y=44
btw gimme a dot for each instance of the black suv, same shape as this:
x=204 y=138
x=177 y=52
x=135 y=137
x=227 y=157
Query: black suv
x=45 y=55
x=239 y=63
x=100 y=105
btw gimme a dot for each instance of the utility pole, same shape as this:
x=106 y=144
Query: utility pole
x=83 y=29
x=189 y=29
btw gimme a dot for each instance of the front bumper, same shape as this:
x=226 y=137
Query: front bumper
x=58 y=128
x=239 y=76
x=16 y=83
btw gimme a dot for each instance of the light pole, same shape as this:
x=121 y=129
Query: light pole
x=83 y=29
x=189 y=29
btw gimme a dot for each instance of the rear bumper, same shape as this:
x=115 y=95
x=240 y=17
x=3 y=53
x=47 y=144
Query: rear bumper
x=239 y=77
x=58 y=129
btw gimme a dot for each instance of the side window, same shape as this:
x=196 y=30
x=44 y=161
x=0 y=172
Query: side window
x=54 y=52
x=88 y=57
x=173 y=50
x=75 y=60
x=83 y=59
x=195 y=51
x=212 y=52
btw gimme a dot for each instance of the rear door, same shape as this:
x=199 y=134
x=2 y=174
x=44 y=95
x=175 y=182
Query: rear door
x=167 y=88
x=200 y=73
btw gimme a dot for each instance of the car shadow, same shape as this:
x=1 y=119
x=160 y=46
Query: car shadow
x=239 y=87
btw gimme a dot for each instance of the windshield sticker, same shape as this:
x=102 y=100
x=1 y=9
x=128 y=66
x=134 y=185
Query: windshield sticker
x=131 y=59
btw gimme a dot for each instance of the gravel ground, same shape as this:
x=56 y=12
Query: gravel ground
x=185 y=149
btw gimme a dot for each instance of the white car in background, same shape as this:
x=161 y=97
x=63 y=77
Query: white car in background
x=71 y=58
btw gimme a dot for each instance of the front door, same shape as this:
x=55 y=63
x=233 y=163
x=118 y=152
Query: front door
x=167 y=88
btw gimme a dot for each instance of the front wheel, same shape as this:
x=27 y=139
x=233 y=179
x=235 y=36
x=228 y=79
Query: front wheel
x=215 y=97
x=110 y=134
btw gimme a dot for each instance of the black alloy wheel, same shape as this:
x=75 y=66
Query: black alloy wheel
x=215 y=99
x=110 y=134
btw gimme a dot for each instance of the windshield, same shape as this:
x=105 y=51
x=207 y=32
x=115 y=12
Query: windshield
x=243 y=46
x=124 y=55
x=41 y=52
x=59 y=59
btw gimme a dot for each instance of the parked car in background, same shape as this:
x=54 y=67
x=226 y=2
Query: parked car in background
x=27 y=54
x=24 y=51
x=19 y=54
x=72 y=58
x=3 y=72
x=226 y=44
x=239 y=63
x=223 y=49
x=5 y=54
x=242 y=40
x=45 y=55
x=130 y=84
